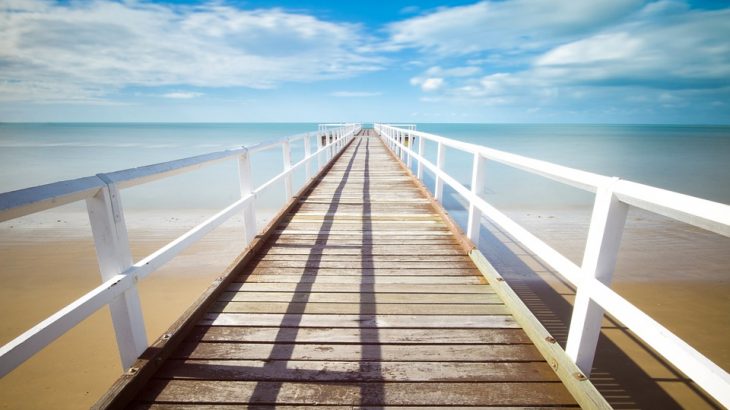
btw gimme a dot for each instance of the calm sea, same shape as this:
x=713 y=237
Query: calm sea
x=688 y=159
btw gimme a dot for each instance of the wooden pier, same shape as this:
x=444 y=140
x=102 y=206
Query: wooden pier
x=361 y=294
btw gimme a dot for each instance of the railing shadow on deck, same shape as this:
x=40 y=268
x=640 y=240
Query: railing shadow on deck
x=369 y=337
x=621 y=380
x=369 y=376
x=285 y=341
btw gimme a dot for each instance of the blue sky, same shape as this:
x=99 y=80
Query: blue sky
x=542 y=61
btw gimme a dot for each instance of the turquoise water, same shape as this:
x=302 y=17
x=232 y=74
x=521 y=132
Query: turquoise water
x=687 y=159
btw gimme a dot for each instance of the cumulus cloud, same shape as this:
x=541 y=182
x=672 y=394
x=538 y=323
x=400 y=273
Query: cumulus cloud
x=506 y=25
x=684 y=51
x=428 y=84
x=85 y=50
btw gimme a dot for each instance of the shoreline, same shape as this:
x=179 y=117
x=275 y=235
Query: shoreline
x=49 y=261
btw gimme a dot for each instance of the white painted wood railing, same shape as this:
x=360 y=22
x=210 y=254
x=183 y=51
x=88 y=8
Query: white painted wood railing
x=118 y=271
x=592 y=279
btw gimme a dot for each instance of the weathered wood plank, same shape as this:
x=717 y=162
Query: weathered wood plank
x=441 y=259
x=357 y=394
x=371 y=250
x=362 y=218
x=355 y=371
x=309 y=240
x=359 y=321
x=371 y=236
x=340 y=287
x=417 y=227
x=199 y=406
x=356 y=308
x=357 y=336
x=416 y=280
x=339 y=297
x=367 y=264
x=356 y=352
x=260 y=270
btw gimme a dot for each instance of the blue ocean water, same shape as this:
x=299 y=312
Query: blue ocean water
x=688 y=159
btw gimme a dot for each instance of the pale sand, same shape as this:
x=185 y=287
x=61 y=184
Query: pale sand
x=47 y=264
x=677 y=274
x=683 y=283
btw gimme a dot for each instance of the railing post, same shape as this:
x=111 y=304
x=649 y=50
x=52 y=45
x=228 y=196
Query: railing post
x=402 y=140
x=599 y=260
x=478 y=182
x=245 y=180
x=319 y=147
x=438 y=190
x=409 y=136
x=112 y=251
x=421 y=147
x=286 y=150
x=307 y=153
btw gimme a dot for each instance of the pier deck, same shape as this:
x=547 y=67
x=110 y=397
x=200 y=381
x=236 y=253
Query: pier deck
x=361 y=294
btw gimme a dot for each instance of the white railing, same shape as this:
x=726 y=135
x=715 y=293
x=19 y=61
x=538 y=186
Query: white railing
x=119 y=274
x=592 y=279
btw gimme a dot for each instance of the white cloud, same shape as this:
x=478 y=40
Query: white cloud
x=506 y=25
x=684 y=51
x=182 y=95
x=355 y=94
x=432 y=84
x=428 y=84
x=83 y=50
x=661 y=50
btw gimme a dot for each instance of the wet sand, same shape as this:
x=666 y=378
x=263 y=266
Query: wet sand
x=677 y=275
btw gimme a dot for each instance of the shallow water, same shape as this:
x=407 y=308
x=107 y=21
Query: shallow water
x=689 y=159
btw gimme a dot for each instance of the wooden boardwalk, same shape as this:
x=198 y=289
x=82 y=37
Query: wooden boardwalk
x=362 y=295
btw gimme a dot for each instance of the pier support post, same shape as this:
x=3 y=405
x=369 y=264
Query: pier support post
x=602 y=246
x=438 y=190
x=245 y=180
x=115 y=257
x=286 y=151
x=478 y=182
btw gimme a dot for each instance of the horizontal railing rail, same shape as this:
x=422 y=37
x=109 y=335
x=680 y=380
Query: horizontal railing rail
x=592 y=279
x=119 y=273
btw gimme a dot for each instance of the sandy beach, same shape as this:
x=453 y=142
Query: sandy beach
x=675 y=273
x=48 y=261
